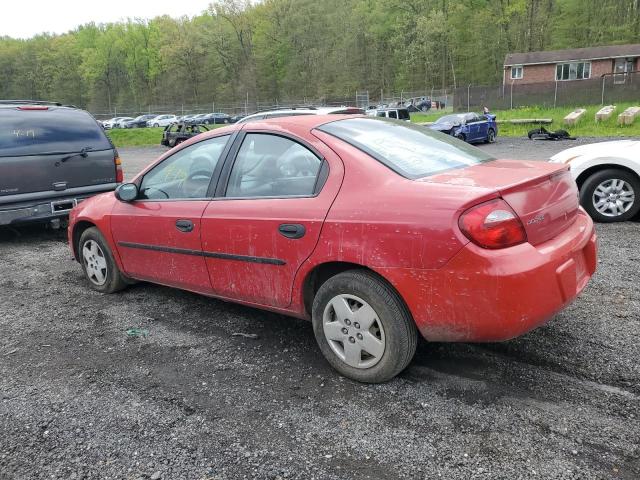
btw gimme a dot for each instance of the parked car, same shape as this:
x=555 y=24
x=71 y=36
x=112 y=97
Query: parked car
x=195 y=119
x=162 y=121
x=216 y=118
x=112 y=122
x=608 y=177
x=121 y=123
x=469 y=127
x=279 y=215
x=51 y=158
x=398 y=113
x=295 y=111
x=187 y=118
x=138 y=122
x=177 y=133
x=237 y=118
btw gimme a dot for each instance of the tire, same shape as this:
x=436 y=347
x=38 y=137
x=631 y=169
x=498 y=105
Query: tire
x=461 y=136
x=491 y=136
x=626 y=186
x=392 y=332
x=110 y=279
x=172 y=143
x=156 y=125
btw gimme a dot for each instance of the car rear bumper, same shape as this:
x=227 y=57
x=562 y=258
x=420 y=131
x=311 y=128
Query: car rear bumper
x=42 y=210
x=494 y=295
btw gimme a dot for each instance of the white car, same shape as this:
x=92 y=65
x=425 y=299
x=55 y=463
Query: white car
x=291 y=112
x=608 y=177
x=121 y=121
x=111 y=123
x=162 y=121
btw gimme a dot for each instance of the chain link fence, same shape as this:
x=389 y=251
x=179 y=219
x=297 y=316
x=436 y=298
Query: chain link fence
x=608 y=89
x=440 y=99
x=604 y=90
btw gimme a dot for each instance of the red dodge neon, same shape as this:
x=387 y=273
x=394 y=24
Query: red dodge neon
x=373 y=229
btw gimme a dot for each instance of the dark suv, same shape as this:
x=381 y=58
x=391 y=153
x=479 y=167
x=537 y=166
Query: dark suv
x=51 y=157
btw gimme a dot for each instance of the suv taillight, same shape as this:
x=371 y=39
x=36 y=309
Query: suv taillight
x=492 y=224
x=118 y=164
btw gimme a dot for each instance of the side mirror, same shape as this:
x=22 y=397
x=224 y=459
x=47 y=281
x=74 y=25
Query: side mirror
x=127 y=192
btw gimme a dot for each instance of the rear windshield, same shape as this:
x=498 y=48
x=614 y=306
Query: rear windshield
x=410 y=150
x=56 y=130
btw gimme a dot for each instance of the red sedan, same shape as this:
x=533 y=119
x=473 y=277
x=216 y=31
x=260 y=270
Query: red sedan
x=373 y=229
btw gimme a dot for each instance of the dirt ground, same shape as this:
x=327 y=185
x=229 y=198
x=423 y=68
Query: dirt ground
x=188 y=399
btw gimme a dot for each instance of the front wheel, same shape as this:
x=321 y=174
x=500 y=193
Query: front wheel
x=156 y=125
x=362 y=327
x=611 y=195
x=98 y=264
x=461 y=136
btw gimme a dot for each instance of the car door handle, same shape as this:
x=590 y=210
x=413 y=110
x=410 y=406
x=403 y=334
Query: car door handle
x=292 y=230
x=184 y=225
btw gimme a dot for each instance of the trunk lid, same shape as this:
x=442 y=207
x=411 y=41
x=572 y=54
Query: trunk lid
x=544 y=195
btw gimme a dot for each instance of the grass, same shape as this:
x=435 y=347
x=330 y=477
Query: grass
x=586 y=126
x=137 y=137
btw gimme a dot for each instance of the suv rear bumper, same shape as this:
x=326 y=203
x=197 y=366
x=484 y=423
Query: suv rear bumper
x=43 y=210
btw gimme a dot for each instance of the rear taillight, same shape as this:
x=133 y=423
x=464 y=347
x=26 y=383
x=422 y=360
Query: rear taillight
x=118 y=164
x=492 y=224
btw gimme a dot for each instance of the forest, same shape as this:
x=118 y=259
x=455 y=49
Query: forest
x=292 y=49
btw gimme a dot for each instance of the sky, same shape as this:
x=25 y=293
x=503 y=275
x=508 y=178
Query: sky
x=25 y=19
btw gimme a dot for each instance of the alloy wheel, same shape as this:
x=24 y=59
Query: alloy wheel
x=613 y=197
x=353 y=331
x=95 y=262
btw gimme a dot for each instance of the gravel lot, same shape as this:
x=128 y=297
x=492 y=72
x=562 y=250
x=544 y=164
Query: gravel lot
x=81 y=399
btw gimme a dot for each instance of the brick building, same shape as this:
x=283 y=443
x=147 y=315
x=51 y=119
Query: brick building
x=571 y=65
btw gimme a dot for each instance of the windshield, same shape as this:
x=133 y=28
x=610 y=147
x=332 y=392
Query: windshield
x=451 y=119
x=36 y=132
x=410 y=150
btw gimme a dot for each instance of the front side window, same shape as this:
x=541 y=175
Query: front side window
x=573 y=71
x=185 y=174
x=410 y=150
x=517 y=72
x=272 y=166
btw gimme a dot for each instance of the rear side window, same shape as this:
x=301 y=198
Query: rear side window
x=410 y=150
x=56 y=130
x=403 y=114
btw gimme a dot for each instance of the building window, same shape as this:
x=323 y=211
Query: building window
x=573 y=71
x=516 y=72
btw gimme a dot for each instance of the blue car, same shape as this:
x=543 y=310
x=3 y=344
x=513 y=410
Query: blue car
x=469 y=127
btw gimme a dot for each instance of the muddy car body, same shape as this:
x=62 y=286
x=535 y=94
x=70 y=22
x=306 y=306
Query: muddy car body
x=374 y=229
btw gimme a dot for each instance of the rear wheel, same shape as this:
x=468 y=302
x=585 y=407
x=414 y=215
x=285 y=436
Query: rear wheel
x=362 y=327
x=156 y=125
x=611 y=195
x=172 y=142
x=491 y=136
x=98 y=264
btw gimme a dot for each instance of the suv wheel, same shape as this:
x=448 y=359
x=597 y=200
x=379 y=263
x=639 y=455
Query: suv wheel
x=362 y=327
x=611 y=195
x=98 y=264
